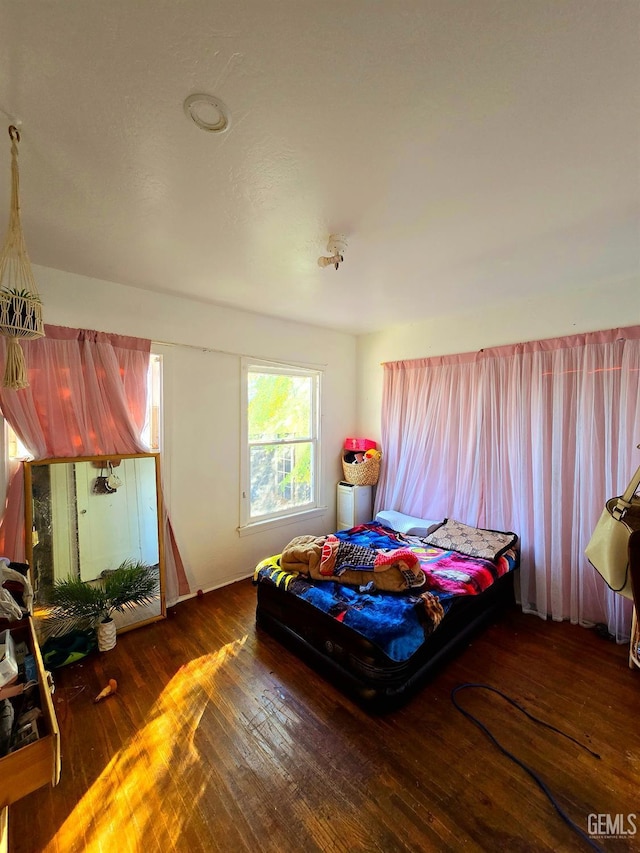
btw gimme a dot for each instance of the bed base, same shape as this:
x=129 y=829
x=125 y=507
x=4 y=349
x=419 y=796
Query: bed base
x=358 y=667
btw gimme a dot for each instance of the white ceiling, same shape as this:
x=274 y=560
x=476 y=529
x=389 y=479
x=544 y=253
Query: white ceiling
x=469 y=150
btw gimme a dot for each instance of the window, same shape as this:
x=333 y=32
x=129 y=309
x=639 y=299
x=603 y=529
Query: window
x=280 y=441
x=152 y=432
x=15 y=448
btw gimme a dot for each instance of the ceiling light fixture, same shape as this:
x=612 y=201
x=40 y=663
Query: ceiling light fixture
x=207 y=113
x=336 y=247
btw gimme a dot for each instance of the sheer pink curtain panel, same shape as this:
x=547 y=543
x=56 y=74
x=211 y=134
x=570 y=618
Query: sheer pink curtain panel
x=87 y=396
x=531 y=438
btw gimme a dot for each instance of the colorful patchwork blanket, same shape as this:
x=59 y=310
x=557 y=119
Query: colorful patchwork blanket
x=398 y=623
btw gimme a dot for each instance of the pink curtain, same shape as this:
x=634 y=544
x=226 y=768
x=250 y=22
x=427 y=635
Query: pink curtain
x=531 y=438
x=87 y=396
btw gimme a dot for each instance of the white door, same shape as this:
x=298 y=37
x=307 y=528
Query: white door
x=108 y=532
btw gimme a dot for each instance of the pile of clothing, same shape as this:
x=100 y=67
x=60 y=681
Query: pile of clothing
x=330 y=558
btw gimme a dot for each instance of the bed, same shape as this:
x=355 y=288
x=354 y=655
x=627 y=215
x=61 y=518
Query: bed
x=407 y=594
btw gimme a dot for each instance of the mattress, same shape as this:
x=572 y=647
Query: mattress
x=380 y=647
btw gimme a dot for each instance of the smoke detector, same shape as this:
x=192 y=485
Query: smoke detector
x=207 y=113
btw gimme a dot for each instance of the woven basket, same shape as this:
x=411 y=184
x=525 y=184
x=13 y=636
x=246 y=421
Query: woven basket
x=362 y=473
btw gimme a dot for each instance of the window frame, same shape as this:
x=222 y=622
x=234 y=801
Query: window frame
x=252 y=523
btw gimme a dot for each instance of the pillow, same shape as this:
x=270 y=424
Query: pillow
x=472 y=541
x=408 y=524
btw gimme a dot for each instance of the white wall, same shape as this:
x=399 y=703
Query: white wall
x=606 y=307
x=202 y=407
x=202 y=391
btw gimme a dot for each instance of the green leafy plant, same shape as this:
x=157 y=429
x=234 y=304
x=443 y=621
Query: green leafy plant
x=80 y=604
x=22 y=293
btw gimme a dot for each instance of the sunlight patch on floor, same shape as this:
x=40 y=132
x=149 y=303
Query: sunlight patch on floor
x=136 y=801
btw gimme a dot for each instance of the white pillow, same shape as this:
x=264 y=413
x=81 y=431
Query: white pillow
x=409 y=524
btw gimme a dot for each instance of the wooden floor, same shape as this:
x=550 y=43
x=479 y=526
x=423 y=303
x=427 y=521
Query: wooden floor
x=220 y=740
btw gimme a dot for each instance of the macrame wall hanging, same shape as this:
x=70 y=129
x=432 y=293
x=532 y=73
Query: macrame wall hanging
x=20 y=305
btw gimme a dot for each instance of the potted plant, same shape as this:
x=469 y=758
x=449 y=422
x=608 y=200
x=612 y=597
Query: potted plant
x=21 y=312
x=80 y=604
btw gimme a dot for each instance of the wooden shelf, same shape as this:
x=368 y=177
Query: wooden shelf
x=38 y=763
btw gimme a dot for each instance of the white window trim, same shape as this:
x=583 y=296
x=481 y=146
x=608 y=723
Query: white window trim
x=315 y=508
x=259 y=526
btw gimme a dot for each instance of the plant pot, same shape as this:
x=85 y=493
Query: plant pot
x=106 y=633
x=20 y=316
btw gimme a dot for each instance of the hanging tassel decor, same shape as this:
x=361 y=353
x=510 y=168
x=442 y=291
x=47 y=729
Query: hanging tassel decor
x=20 y=305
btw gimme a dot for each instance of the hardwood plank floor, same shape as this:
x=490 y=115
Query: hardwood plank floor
x=219 y=739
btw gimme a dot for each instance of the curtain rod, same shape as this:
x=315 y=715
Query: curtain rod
x=238 y=354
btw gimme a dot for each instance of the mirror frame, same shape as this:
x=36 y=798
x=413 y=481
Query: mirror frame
x=104 y=459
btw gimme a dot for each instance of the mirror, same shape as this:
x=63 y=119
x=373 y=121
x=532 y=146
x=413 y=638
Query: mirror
x=89 y=515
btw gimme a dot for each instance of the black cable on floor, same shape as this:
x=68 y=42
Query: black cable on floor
x=539 y=782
